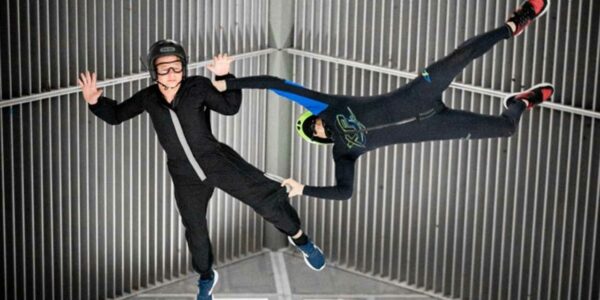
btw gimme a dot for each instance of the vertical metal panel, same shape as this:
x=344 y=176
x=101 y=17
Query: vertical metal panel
x=88 y=210
x=483 y=219
x=504 y=218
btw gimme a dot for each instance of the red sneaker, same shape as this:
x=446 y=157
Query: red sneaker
x=531 y=97
x=529 y=11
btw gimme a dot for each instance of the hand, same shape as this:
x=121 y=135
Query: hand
x=87 y=82
x=294 y=186
x=220 y=65
x=220 y=85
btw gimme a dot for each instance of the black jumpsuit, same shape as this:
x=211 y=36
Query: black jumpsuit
x=223 y=167
x=412 y=113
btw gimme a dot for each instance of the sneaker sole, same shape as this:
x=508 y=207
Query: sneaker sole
x=216 y=277
x=306 y=257
x=544 y=11
x=529 y=89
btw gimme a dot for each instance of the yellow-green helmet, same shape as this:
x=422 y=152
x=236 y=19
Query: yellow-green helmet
x=305 y=129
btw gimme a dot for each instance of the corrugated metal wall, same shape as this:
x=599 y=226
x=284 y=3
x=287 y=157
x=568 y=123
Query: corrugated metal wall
x=512 y=218
x=88 y=210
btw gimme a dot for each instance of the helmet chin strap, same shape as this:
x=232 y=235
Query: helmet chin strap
x=166 y=87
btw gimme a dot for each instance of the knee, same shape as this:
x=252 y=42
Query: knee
x=269 y=211
x=195 y=224
x=463 y=53
x=278 y=211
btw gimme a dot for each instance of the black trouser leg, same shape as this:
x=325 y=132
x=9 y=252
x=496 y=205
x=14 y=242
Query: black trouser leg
x=229 y=172
x=426 y=89
x=443 y=72
x=192 y=201
x=453 y=124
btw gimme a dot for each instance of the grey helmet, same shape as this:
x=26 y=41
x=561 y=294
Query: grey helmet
x=164 y=48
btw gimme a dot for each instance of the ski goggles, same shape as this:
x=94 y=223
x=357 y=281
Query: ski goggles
x=175 y=67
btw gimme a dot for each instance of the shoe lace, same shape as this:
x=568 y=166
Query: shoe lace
x=524 y=15
x=309 y=249
x=530 y=98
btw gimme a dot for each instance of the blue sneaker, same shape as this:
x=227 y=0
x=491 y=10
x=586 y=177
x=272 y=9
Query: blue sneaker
x=206 y=286
x=313 y=256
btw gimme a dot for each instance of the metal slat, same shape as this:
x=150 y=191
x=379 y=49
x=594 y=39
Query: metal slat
x=576 y=187
x=4 y=281
x=527 y=185
x=588 y=188
x=61 y=281
x=581 y=132
x=5 y=258
x=565 y=210
x=551 y=285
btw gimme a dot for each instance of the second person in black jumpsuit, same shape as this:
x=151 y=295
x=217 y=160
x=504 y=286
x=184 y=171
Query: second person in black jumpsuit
x=413 y=113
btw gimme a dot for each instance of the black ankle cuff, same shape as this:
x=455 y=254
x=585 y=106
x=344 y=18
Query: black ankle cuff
x=302 y=240
x=206 y=275
x=509 y=32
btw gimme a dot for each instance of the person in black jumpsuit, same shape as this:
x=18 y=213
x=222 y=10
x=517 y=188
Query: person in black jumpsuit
x=412 y=113
x=191 y=99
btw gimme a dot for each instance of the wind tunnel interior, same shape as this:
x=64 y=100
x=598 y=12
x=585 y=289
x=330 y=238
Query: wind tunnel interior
x=88 y=209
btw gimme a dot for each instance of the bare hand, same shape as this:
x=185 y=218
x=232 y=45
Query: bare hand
x=220 y=65
x=220 y=85
x=294 y=186
x=87 y=82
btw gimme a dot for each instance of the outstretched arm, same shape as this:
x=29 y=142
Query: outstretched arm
x=313 y=101
x=344 y=176
x=221 y=101
x=105 y=108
